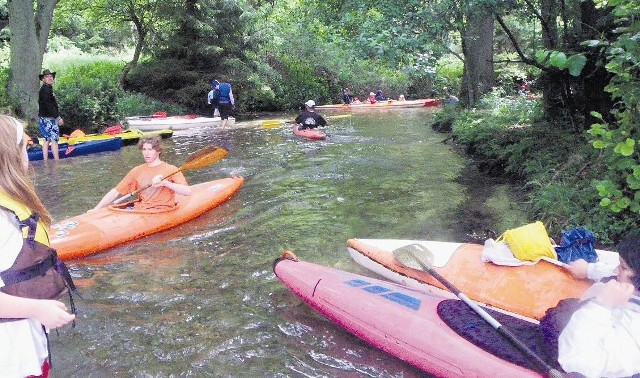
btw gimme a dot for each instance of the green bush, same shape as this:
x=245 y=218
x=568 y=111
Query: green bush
x=90 y=99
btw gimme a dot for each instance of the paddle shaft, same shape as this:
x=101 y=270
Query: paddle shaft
x=513 y=339
x=132 y=194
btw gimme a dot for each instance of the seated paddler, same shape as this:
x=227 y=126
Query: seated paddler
x=602 y=336
x=155 y=182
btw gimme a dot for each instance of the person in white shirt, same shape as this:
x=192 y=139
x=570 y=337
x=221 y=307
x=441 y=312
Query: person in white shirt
x=602 y=337
x=23 y=321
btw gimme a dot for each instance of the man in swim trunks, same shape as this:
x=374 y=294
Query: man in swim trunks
x=161 y=196
x=49 y=119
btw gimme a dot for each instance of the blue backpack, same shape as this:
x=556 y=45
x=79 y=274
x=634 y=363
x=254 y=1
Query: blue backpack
x=577 y=243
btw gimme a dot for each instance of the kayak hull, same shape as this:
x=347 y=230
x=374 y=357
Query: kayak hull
x=98 y=230
x=401 y=321
x=174 y=123
x=128 y=137
x=66 y=150
x=389 y=104
x=527 y=290
x=311 y=134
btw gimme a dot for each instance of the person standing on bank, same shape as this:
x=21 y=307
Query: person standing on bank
x=49 y=119
x=24 y=221
x=213 y=98
x=226 y=103
x=309 y=119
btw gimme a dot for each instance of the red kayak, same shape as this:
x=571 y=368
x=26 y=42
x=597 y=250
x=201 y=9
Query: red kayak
x=407 y=323
x=312 y=134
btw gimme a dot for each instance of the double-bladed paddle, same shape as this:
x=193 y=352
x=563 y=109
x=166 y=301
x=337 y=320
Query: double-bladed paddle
x=419 y=257
x=200 y=159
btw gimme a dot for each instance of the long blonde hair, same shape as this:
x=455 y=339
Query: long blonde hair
x=14 y=181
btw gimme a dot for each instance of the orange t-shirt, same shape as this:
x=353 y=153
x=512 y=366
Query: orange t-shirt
x=151 y=198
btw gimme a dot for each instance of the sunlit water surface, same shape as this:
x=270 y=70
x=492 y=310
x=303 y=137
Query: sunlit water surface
x=201 y=300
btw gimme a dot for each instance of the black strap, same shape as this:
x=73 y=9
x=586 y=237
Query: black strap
x=12 y=277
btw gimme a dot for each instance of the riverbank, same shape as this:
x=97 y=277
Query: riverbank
x=552 y=169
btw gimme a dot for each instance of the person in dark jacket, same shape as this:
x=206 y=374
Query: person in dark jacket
x=309 y=119
x=49 y=119
x=226 y=102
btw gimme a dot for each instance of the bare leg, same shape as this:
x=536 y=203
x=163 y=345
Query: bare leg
x=54 y=149
x=45 y=150
x=224 y=123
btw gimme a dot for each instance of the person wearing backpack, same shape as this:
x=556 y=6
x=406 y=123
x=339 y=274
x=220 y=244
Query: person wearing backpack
x=226 y=102
x=602 y=335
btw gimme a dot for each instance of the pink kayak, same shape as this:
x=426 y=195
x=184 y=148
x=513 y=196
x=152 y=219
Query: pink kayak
x=312 y=134
x=399 y=320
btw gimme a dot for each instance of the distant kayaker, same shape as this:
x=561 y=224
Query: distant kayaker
x=602 y=336
x=371 y=99
x=226 y=102
x=161 y=196
x=28 y=266
x=309 y=119
x=380 y=96
x=449 y=99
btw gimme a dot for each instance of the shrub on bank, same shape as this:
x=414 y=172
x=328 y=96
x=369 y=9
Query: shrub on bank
x=90 y=99
x=554 y=167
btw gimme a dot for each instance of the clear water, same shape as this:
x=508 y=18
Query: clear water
x=201 y=300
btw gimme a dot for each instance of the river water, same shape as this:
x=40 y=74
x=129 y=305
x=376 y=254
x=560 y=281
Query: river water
x=201 y=300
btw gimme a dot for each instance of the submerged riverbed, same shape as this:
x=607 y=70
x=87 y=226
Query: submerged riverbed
x=201 y=300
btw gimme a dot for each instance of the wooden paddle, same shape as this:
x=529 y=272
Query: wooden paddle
x=200 y=159
x=419 y=257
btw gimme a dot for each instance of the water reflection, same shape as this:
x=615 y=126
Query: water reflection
x=201 y=300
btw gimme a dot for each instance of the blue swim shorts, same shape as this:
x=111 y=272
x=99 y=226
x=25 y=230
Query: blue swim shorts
x=49 y=129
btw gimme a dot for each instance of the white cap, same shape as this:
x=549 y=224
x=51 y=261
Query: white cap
x=310 y=104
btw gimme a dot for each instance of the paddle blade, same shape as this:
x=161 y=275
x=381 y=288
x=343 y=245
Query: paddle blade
x=204 y=158
x=339 y=116
x=271 y=124
x=414 y=256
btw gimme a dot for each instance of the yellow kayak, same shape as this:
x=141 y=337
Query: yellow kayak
x=128 y=137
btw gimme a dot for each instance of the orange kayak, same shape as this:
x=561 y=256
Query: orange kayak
x=389 y=104
x=95 y=231
x=527 y=290
x=312 y=134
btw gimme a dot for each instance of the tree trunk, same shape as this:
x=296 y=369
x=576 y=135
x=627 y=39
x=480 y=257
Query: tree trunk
x=29 y=29
x=141 y=31
x=477 y=47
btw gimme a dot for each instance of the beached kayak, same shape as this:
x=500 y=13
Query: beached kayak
x=389 y=104
x=526 y=290
x=407 y=323
x=312 y=134
x=184 y=122
x=128 y=137
x=98 y=230
x=66 y=150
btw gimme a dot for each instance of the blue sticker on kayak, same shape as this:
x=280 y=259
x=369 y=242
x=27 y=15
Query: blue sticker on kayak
x=376 y=289
x=399 y=298
x=405 y=300
x=357 y=283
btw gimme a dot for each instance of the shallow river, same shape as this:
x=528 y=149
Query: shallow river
x=201 y=300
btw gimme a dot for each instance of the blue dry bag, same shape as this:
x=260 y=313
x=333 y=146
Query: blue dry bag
x=577 y=243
